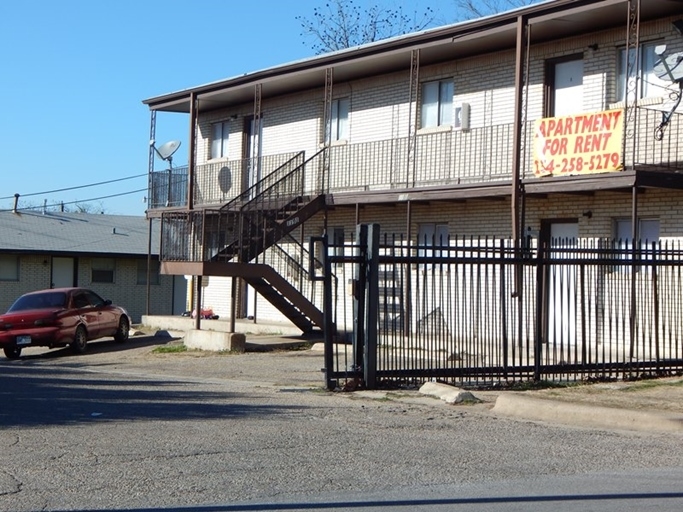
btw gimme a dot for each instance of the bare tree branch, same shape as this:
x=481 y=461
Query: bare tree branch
x=469 y=9
x=342 y=24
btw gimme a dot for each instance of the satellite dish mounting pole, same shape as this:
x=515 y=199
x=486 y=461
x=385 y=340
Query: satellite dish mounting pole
x=165 y=152
x=170 y=178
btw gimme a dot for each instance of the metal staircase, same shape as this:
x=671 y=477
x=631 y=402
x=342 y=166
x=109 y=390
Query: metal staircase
x=241 y=239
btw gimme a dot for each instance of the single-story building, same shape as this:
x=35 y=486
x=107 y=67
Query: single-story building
x=107 y=253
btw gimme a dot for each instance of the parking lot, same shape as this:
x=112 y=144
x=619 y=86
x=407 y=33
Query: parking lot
x=122 y=427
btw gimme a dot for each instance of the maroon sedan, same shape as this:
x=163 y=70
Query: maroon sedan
x=60 y=317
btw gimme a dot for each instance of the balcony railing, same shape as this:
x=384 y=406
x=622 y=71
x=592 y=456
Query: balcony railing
x=168 y=188
x=479 y=155
x=216 y=183
x=221 y=182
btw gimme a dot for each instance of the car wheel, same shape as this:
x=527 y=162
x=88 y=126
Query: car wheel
x=12 y=352
x=80 y=340
x=123 y=331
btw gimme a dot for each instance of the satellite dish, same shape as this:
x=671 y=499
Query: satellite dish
x=166 y=150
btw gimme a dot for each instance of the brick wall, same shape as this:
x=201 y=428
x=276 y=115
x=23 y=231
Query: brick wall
x=34 y=274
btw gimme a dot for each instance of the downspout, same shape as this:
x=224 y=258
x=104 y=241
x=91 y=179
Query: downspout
x=190 y=201
x=635 y=256
x=522 y=29
x=409 y=277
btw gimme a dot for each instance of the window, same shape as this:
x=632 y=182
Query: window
x=649 y=84
x=102 y=270
x=154 y=271
x=335 y=237
x=9 y=267
x=648 y=232
x=81 y=300
x=437 y=103
x=339 y=120
x=219 y=140
x=431 y=235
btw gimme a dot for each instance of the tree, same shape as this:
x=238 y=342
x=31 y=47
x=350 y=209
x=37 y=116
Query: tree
x=343 y=24
x=469 y=9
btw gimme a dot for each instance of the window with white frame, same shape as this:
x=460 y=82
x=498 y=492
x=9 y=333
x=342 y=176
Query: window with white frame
x=219 y=139
x=649 y=85
x=9 y=267
x=339 y=120
x=437 y=103
x=102 y=270
x=154 y=271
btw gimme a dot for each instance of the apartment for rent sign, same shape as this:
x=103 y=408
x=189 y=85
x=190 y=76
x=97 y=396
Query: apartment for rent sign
x=579 y=144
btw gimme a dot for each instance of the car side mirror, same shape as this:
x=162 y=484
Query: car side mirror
x=107 y=302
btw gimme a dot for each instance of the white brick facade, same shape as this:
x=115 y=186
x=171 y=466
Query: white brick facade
x=378 y=154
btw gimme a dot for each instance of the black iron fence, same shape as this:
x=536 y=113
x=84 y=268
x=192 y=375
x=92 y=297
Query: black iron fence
x=482 y=311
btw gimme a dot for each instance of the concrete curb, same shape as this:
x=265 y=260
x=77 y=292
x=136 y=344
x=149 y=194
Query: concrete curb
x=540 y=409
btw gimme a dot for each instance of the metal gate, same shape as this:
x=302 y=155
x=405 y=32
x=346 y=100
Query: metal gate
x=477 y=311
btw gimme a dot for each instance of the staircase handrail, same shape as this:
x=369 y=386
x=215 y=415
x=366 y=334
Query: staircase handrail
x=275 y=176
x=306 y=283
x=269 y=188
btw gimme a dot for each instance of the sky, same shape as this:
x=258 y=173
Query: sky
x=75 y=72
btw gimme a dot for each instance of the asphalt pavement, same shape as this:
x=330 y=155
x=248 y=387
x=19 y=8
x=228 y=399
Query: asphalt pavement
x=139 y=427
x=654 y=405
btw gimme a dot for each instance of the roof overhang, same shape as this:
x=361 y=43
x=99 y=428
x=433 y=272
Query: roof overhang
x=548 y=21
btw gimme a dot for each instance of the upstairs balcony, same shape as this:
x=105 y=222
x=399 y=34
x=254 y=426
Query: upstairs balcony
x=463 y=158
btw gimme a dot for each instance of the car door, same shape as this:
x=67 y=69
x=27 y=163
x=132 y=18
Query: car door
x=107 y=317
x=87 y=312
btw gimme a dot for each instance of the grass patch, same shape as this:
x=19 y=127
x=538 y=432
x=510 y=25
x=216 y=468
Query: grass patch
x=170 y=349
x=541 y=384
x=652 y=383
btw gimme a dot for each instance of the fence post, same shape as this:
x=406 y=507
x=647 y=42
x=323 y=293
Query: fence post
x=359 y=283
x=503 y=308
x=540 y=309
x=330 y=383
x=371 y=307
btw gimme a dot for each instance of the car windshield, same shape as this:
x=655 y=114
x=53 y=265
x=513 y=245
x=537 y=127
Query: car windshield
x=39 y=301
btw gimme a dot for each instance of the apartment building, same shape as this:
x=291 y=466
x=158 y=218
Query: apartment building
x=557 y=121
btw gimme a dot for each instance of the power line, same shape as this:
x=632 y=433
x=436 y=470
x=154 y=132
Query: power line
x=53 y=205
x=80 y=186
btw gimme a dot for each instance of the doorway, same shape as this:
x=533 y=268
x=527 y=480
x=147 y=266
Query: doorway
x=252 y=152
x=559 y=326
x=63 y=272
x=565 y=87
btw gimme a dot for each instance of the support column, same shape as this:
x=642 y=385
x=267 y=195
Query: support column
x=324 y=180
x=413 y=87
x=632 y=85
x=191 y=163
x=519 y=139
x=198 y=303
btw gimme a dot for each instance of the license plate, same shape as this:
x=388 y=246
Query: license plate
x=23 y=340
